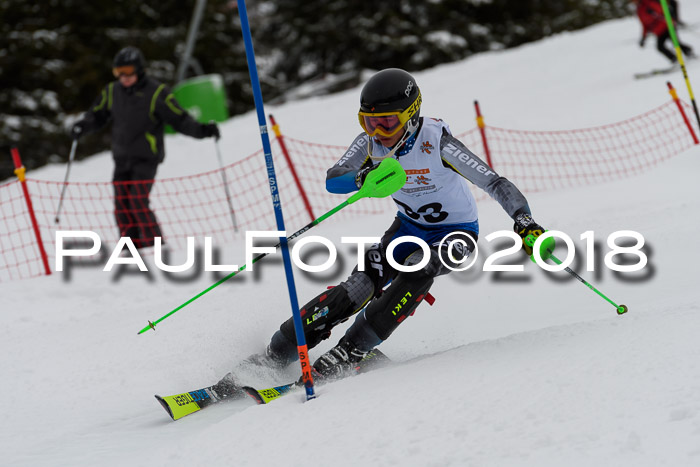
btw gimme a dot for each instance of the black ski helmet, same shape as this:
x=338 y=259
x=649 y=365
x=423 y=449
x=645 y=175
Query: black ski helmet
x=130 y=56
x=392 y=90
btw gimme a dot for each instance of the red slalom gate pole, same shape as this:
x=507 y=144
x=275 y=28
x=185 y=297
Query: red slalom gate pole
x=482 y=129
x=20 y=171
x=278 y=134
x=674 y=95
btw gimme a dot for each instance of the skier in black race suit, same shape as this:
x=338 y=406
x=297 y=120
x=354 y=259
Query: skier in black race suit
x=434 y=202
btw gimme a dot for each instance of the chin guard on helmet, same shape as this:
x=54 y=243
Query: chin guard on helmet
x=411 y=129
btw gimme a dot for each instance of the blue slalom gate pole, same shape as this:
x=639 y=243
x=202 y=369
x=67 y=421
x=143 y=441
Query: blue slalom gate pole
x=274 y=191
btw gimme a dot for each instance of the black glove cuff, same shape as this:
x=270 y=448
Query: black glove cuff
x=211 y=130
x=523 y=220
x=361 y=175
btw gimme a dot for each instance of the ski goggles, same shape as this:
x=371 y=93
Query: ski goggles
x=387 y=123
x=126 y=70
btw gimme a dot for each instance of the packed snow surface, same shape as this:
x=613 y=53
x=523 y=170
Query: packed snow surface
x=516 y=369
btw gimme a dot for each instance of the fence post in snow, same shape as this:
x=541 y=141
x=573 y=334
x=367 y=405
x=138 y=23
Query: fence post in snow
x=278 y=134
x=20 y=171
x=482 y=129
x=674 y=94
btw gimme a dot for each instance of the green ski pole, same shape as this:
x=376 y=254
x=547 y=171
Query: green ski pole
x=546 y=252
x=381 y=182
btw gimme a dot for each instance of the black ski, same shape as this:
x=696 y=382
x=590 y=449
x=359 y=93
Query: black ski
x=656 y=72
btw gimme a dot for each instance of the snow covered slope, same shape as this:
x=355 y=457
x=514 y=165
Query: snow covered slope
x=507 y=370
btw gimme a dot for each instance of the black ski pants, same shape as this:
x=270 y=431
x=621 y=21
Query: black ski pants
x=388 y=306
x=661 y=47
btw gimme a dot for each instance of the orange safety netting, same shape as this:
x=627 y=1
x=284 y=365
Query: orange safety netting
x=197 y=205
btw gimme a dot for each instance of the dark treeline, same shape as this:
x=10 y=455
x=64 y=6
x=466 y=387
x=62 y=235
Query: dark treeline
x=55 y=55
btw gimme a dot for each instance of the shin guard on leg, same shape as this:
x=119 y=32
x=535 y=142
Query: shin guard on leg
x=321 y=314
x=398 y=302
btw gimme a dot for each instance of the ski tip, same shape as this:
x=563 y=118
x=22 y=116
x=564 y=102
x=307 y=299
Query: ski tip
x=165 y=406
x=252 y=392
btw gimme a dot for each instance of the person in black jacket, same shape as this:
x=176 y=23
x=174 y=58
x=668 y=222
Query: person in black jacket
x=138 y=107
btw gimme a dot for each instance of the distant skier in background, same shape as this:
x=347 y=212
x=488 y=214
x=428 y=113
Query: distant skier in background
x=435 y=202
x=651 y=15
x=138 y=107
x=673 y=9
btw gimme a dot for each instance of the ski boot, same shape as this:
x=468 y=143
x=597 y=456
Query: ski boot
x=227 y=388
x=267 y=359
x=267 y=364
x=339 y=362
